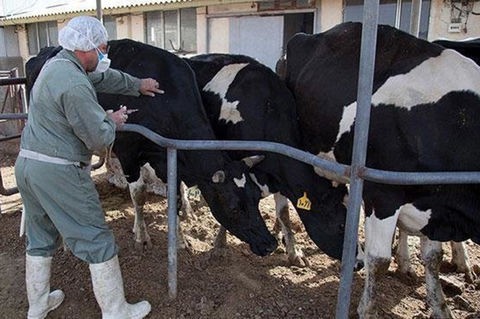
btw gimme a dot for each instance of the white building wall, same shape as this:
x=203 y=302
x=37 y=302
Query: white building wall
x=440 y=19
x=329 y=14
x=214 y=25
x=3 y=45
x=11 y=41
x=22 y=43
x=131 y=26
x=138 y=27
x=202 y=30
x=258 y=37
x=218 y=35
x=123 y=27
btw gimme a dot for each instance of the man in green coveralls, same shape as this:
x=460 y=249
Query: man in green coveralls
x=65 y=125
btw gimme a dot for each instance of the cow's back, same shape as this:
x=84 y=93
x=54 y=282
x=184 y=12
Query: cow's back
x=322 y=70
x=35 y=64
x=468 y=48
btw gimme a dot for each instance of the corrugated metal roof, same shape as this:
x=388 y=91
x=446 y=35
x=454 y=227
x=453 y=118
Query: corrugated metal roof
x=57 y=7
x=112 y=4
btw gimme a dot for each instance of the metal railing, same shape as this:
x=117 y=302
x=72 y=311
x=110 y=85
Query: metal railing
x=388 y=177
x=340 y=170
x=9 y=116
x=14 y=97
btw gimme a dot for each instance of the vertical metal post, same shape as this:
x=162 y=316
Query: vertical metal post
x=362 y=121
x=99 y=11
x=415 y=15
x=172 y=222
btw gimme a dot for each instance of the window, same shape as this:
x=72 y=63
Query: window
x=172 y=30
x=111 y=26
x=285 y=4
x=392 y=12
x=294 y=23
x=40 y=35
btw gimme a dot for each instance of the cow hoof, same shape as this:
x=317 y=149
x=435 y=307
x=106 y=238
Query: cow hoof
x=143 y=245
x=299 y=261
x=359 y=264
x=218 y=253
x=470 y=277
x=185 y=245
x=408 y=277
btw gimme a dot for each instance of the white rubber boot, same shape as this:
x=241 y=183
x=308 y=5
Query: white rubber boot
x=37 y=278
x=108 y=288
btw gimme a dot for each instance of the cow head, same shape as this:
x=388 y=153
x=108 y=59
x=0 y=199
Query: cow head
x=325 y=219
x=233 y=199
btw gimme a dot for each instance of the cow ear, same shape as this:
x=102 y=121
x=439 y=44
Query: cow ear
x=253 y=160
x=218 y=177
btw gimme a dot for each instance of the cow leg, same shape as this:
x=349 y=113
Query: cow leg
x=138 y=191
x=181 y=241
x=295 y=254
x=378 y=252
x=220 y=244
x=186 y=207
x=115 y=174
x=461 y=260
x=432 y=257
x=402 y=255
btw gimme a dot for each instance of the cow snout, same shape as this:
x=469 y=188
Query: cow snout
x=264 y=247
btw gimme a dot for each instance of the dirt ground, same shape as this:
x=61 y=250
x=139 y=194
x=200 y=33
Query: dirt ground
x=240 y=285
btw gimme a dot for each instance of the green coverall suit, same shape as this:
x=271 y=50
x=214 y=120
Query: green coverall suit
x=65 y=125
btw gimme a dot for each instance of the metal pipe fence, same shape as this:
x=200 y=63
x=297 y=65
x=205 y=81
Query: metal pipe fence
x=10 y=116
x=14 y=97
x=340 y=170
x=388 y=177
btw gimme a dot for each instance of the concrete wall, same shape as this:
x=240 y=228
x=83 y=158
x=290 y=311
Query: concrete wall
x=202 y=30
x=8 y=42
x=218 y=35
x=329 y=14
x=440 y=19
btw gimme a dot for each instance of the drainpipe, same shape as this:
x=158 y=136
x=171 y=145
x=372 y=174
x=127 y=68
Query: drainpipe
x=99 y=11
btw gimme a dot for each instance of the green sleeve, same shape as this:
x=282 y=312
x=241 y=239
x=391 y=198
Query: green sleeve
x=115 y=82
x=88 y=119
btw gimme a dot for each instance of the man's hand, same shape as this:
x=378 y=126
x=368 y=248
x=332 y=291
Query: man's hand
x=120 y=116
x=149 y=87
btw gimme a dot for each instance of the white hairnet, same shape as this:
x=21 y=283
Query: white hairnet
x=82 y=33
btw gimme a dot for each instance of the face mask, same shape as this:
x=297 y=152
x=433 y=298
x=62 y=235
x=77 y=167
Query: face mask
x=103 y=62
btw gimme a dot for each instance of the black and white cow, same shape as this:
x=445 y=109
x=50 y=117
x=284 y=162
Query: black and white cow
x=225 y=184
x=469 y=47
x=460 y=259
x=245 y=100
x=425 y=117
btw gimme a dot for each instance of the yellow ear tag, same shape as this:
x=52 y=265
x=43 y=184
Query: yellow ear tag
x=303 y=202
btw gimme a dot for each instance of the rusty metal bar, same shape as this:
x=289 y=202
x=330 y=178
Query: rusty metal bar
x=11 y=81
x=11 y=137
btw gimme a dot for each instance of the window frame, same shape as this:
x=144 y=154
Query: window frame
x=159 y=17
x=400 y=8
x=40 y=27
